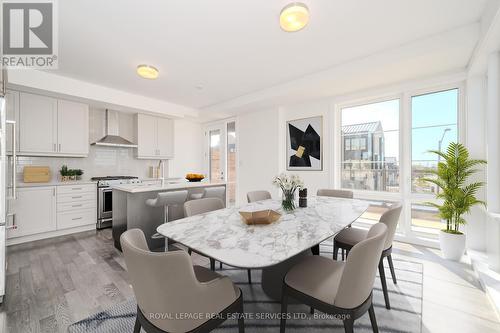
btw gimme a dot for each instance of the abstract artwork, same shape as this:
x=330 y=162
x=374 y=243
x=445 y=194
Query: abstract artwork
x=303 y=140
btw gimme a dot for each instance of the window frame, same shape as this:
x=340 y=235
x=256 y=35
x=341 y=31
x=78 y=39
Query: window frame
x=405 y=194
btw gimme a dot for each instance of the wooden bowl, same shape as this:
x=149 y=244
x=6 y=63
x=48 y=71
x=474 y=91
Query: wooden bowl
x=266 y=216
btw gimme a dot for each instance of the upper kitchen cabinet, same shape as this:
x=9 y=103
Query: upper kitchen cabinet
x=52 y=127
x=37 y=124
x=72 y=128
x=155 y=137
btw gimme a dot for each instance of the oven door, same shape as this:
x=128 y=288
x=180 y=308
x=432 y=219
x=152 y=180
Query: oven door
x=105 y=203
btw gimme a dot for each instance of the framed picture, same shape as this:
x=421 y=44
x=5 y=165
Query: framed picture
x=304 y=148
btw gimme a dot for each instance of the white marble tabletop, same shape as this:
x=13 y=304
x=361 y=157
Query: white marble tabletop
x=223 y=235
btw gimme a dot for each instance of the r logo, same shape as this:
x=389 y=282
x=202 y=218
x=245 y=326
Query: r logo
x=27 y=28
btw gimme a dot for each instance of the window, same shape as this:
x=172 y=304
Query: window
x=364 y=167
x=434 y=126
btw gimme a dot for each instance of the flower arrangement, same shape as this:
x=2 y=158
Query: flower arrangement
x=288 y=185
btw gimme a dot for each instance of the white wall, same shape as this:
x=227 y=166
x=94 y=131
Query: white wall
x=188 y=149
x=259 y=152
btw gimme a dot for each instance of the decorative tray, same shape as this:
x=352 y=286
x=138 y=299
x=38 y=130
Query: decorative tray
x=266 y=216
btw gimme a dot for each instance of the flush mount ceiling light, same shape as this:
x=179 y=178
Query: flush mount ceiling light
x=294 y=17
x=147 y=71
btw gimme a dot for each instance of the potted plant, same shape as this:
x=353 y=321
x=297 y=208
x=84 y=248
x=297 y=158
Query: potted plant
x=457 y=194
x=64 y=173
x=288 y=185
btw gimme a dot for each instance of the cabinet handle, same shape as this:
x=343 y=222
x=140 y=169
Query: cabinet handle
x=77 y=218
x=59 y=147
x=55 y=149
x=76 y=206
x=54 y=192
x=79 y=197
x=76 y=188
x=14 y=225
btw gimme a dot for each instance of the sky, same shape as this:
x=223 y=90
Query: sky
x=432 y=114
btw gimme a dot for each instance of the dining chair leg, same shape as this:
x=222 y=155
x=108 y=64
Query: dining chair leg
x=384 y=284
x=373 y=320
x=343 y=254
x=249 y=273
x=391 y=266
x=137 y=326
x=212 y=264
x=284 y=306
x=349 y=325
x=190 y=251
x=220 y=265
x=241 y=320
x=335 y=251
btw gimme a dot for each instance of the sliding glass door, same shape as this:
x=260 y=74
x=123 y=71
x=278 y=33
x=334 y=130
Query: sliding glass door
x=383 y=153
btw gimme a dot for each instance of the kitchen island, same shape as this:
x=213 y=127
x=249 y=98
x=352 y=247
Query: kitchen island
x=130 y=210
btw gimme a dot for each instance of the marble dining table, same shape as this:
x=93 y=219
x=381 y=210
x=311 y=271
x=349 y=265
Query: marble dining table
x=223 y=235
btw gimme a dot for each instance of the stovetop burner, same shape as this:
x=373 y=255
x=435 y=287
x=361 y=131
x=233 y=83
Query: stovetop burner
x=113 y=178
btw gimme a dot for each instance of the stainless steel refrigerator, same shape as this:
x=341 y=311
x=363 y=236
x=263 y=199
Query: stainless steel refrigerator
x=7 y=179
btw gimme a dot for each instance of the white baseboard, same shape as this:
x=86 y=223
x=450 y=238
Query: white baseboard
x=50 y=234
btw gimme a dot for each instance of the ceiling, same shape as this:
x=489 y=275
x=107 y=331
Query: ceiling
x=210 y=53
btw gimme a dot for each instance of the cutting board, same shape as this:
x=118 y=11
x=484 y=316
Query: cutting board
x=36 y=174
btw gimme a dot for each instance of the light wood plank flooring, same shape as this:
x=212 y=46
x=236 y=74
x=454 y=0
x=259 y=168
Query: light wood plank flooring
x=54 y=282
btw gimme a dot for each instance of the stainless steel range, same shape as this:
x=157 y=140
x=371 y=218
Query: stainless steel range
x=105 y=197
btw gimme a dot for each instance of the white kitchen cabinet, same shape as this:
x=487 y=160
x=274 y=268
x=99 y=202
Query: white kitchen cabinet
x=37 y=124
x=146 y=136
x=52 y=127
x=34 y=211
x=165 y=134
x=155 y=137
x=72 y=128
x=76 y=206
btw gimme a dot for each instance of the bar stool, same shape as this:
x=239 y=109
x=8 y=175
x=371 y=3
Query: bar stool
x=215 y=192
x=166 y=200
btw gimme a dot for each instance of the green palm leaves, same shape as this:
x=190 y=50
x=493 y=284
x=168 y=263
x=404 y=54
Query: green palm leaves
x=452 y=176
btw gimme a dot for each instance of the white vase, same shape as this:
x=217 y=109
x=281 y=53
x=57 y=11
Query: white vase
x=452 y=245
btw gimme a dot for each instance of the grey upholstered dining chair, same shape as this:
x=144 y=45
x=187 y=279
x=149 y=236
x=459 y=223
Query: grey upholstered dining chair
x=167 y=283
x=166 y=200
x=335 y=193
x=326 y=192
x=201 y=206
x=347 y=238
x=338 y=288
x=258 y=196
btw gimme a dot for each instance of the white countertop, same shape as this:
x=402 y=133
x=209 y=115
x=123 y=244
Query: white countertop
x=222 y=234
x=55 y=183
x=141 y=188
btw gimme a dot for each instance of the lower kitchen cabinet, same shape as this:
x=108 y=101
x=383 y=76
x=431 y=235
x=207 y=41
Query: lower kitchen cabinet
x=34 y=211
x=46 y=209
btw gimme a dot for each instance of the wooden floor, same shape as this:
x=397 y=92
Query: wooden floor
x=55 y=282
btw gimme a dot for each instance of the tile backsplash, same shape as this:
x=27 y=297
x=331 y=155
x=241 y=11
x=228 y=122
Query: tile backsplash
x=102 y=161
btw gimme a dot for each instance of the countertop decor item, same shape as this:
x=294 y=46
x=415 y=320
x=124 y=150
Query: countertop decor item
x=458 y=195
x=36 y=174
x=195 y=177
x=70 y=174
x=288 y=185
x=266 y=216
x=303 y=197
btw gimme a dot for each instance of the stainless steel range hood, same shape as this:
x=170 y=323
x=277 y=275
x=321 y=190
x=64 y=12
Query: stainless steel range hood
x=112 y=137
